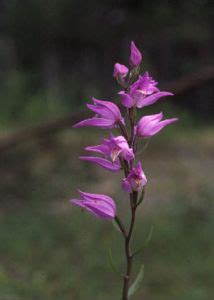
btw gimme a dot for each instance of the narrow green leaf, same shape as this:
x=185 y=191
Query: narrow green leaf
x=149 y=237
x=112 y=264
x=136 y=284
x=116 y=225
x=141 y=197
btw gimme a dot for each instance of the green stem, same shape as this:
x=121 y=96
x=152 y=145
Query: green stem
x=128 y=252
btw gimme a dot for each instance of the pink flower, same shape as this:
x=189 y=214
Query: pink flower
x=135 y=180
x=113 y=148
x=142 y=93
x=101 y=206
x=150 y=125
x=120 y=70
x=107 y=115
x=135 y=56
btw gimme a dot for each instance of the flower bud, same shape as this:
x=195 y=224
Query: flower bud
x=135 y=56
x=120 y=70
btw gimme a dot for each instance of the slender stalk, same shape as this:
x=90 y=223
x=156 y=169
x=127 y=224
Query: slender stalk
x=123 y=130
x=127 y=239
x=128 y=252
x=131 y=113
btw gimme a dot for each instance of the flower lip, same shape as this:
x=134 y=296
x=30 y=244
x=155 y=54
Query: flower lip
x=114 y=154
x=146 y=84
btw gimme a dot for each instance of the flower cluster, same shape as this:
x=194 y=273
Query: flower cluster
x=118 y=152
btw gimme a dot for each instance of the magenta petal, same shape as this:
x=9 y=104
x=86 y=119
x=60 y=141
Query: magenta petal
x=138 y=168
x=146 y=120
x=102 y=149
x=110 y=106
x=106 y=164
x=77 y=202
x=152 y=99
x=96 y=122
x=126 y=99
x=150 y=125
x=102 y=111
x=128 y=154
x=126 y=186
x=96 y=196
x=102 y=211
x=108 y=115
x=101 y=206
x=161 y=125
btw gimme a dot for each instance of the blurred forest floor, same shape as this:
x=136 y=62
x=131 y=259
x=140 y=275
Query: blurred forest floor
x=50 y=250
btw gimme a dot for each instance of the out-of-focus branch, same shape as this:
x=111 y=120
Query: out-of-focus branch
x=190 y=81
x=42 y=129
x=178 y=87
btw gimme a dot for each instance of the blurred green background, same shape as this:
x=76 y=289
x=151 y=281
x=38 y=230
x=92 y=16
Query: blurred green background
x=54 y=56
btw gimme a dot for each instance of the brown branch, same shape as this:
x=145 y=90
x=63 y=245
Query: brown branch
x=178 y=87
x=190 y=81
x=42 y=129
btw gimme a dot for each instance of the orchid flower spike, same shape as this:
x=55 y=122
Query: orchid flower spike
x=142 y=93
x=135 y=180
x=152 y=124
x=107 y=115
x=101 y=206
x=115 y=152
x=120 y=70
x=135 y=56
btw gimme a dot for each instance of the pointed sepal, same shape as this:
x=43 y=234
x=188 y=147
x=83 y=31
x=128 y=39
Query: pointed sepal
x=137 y=282
x=112 y=264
